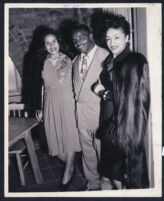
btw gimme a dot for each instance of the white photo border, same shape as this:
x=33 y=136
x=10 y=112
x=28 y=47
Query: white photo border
x=154 y=56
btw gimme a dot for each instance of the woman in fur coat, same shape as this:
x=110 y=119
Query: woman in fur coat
x=125 y=111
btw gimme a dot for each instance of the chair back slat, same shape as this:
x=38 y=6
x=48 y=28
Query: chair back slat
x=14 y=113
x=19 y=113
x=16 y=106
x=17 y=110
x=26 y=114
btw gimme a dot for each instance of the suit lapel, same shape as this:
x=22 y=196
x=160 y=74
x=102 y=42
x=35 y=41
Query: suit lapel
x=93 y=69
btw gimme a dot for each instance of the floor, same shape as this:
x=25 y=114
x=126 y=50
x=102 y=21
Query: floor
x=51 y=169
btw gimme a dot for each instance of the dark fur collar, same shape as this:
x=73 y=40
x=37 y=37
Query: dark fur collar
x=122 y=55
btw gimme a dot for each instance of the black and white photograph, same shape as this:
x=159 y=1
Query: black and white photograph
x=83 y=108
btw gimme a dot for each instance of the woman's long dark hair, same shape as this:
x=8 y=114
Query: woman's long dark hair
x=33 y=66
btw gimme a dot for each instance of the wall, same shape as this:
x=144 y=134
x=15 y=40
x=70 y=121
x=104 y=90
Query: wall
x=23 y=22
x=140 y=32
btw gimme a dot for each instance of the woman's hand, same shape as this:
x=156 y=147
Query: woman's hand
x=39 y=115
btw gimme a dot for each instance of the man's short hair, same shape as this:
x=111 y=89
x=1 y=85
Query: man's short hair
x=80 y=27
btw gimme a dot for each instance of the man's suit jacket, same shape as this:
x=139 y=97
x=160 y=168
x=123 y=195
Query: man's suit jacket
x=88 y=103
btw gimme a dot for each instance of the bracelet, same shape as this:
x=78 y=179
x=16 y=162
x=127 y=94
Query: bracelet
x=107 y=95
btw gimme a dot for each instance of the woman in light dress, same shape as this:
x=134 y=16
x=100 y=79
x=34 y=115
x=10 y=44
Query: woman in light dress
x=58 y=105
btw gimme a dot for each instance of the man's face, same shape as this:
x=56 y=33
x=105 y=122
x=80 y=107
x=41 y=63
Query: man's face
x=82 y=40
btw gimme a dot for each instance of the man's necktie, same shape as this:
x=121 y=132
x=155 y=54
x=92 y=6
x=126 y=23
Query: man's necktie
x=84 y=68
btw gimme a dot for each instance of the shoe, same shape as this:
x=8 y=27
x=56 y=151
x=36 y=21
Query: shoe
x=91 y=189
x=65 y=187
x=67 y=176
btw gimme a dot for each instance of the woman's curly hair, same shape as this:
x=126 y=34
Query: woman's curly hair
x=118 y=21
x=41 y=51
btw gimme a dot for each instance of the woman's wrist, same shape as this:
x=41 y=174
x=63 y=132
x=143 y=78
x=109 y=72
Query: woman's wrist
x=39 y=115
x=106 y=95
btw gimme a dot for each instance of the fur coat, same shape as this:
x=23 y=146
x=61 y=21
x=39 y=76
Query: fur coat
x=131 y=99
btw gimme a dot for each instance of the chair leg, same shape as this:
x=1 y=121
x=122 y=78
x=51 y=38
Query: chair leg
x=33 y=158
x=21 y=173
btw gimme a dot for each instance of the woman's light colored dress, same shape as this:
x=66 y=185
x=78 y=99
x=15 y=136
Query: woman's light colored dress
x=59 y=107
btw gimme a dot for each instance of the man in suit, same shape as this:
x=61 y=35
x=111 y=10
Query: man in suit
x=86 y=69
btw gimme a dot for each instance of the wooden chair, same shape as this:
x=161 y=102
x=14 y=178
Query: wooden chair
x=17 y=110
x=18 y=149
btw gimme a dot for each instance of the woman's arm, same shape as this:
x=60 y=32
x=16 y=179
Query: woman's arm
x=39 y=113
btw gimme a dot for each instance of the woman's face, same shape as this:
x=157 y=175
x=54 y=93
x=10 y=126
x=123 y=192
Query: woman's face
x=51 y=44
x=116 y=40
